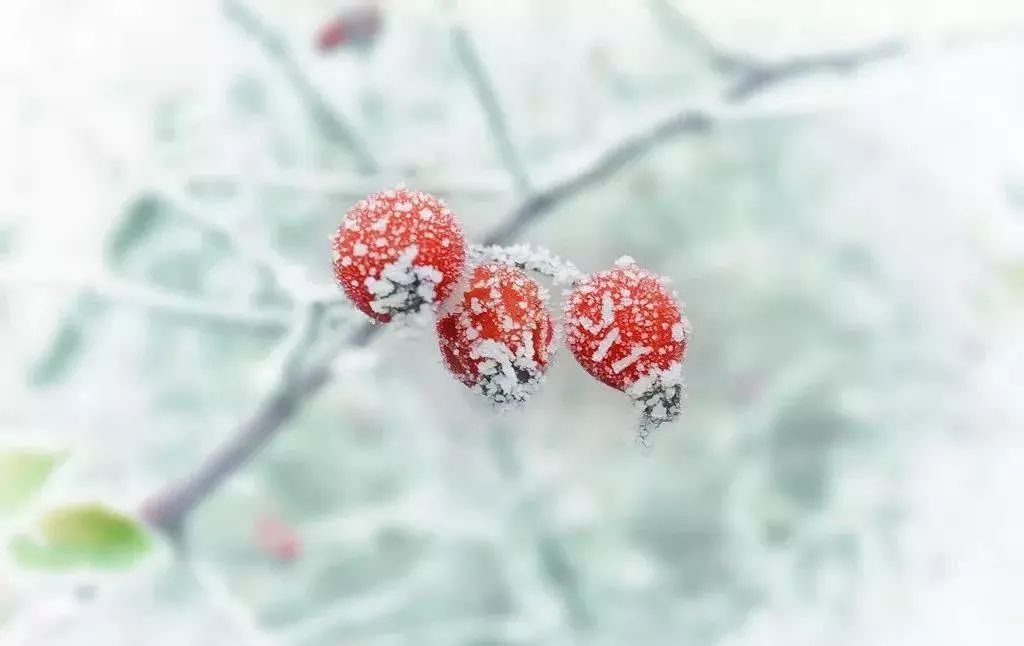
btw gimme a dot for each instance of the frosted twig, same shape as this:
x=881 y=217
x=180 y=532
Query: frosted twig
x=147 y=297
x=482 y=86
x=219 y=596
x=755 y=77
x=327 y=118
x=749 y=74
x=552 y=554
x=287 y=276
x=669 y=16
x=169 y=508
x=467 y=182
x=351 y=612
x=531 y=258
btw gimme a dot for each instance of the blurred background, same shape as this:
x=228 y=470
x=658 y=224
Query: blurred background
x=846 y=226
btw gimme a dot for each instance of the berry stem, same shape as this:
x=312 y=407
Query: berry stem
x=534 y=258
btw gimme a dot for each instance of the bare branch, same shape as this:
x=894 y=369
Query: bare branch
x=758 y=76
x=169 y=509
x=150 y=298
x=600 y=167
x=287 y=276
x=480 y=81
x=671 y=18
x=749 y=74
x=327 y=118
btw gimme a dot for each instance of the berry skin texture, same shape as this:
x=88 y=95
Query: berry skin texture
x=498 y=337
x=627 y=330
x=398 y=252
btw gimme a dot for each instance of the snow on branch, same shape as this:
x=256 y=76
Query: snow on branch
x=147 y=297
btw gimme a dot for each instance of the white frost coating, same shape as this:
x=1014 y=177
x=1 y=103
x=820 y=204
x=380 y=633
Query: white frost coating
x=625 y=261
x=678 y=332
x=606 y=344
x=359 y=249
x=535 y=259
x=607 y=316
x=657 y=398
x=426 y=214
x=404 y=288
x=634 y=354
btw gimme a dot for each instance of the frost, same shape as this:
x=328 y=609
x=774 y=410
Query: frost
x=535 y=259
x=625 y=261
x=634 y=354
x=607 y=316
x=657 y=398
x=359 y=249
x=506 y=377
x=404 y=288
x=605 y=345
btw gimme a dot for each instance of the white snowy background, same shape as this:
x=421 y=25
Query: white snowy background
x=849 y=465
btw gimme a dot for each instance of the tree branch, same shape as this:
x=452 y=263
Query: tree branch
x=756 y=77
x=330 y=122
x=168 y=509
x=150 y=298
x=480 y=81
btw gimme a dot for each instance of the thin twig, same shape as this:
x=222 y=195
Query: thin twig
x=553 y=557
x=168 y=509
x=669 y=16
x=327 y=118
x=154 y=299
x=757 y=77
x=748 y=74
x=482 y=86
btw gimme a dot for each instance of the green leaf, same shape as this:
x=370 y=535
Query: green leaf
x=22 y=473
x=83 y=536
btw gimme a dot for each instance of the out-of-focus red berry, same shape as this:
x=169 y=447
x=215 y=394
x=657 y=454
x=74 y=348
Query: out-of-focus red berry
x=277 y=539
x=357 y=26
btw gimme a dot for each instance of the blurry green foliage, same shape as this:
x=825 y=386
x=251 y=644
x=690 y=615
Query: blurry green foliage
x=22 y=473
x=82 y=536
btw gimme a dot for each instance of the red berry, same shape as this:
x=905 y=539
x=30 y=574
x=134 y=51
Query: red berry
x=359 y=25
x=277 y=539
x=626 y=329
x=398 y=252
x=498 y=337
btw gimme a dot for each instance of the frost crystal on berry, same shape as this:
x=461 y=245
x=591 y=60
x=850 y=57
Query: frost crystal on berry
x=392 y=259
x=498 y=338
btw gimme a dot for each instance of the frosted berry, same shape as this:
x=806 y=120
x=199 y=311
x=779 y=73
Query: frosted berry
x=498 y=337
x=358 y=26
x=626 y=329
x=398 y=252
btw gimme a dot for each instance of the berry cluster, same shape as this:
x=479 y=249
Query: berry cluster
x=401 y=253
